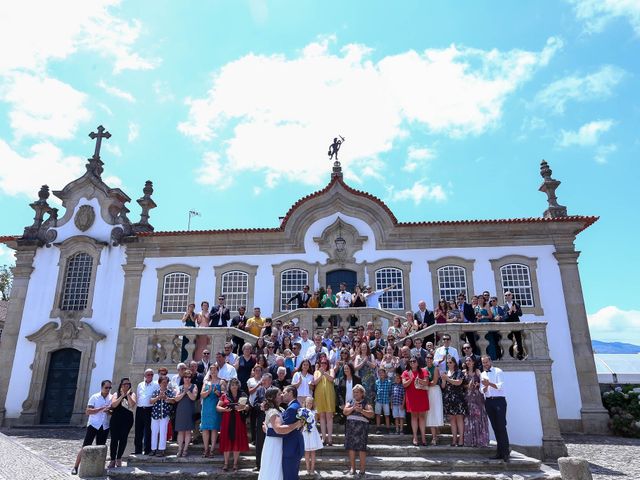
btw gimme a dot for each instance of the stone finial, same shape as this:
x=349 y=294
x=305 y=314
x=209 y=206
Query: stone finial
x=146 y=203
x=37 y=231
x=549 y=186
x=337 y=170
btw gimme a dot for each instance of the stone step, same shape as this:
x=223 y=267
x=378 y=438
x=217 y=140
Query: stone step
x=441 y=461
x=181 y=472
x=379 y=449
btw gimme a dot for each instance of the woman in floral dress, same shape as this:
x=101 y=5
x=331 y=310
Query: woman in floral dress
x=476 y=424
x=454 y=402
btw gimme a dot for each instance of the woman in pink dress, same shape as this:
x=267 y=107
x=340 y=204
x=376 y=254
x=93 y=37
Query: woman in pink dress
x=202 y=341
x=417 y=399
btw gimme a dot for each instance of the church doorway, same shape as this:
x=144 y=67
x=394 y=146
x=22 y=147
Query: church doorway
x=336 y=277
x=60 y=390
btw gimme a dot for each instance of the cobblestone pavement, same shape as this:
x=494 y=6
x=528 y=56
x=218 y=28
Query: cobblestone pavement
x=53 y=451
x=17 y=463
x=611 y=458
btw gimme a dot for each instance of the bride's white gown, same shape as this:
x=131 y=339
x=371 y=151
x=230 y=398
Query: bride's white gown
x=271 y=461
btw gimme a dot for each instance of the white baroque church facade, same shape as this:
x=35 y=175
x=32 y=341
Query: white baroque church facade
x=90 y=283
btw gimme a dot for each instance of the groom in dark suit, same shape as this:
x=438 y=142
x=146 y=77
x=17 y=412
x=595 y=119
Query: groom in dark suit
x=292 y=442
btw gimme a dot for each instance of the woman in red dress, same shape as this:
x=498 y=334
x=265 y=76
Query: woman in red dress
x=233 y=432
x=417 y=399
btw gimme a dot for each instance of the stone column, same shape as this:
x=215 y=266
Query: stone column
x=553 y=445
x=21 y=275
x=594 y=415
x=129 y=312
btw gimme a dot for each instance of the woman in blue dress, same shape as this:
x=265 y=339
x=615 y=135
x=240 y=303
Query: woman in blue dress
x=210 y=420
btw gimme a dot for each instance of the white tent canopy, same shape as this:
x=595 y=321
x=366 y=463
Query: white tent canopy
x=618 y=368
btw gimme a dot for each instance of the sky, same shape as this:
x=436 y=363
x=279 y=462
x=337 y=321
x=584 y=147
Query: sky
x=447 y=109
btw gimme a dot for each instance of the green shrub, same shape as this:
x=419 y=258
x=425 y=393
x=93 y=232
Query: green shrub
x=623 y=405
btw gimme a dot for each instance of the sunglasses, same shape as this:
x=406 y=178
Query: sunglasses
x=206 y=353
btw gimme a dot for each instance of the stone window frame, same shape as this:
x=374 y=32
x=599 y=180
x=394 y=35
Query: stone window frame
x=68 y=249
x=250 y=270
x=435 y=265
x=310 y=268
x=405 y=268
x=162 y=272
x=532 y=264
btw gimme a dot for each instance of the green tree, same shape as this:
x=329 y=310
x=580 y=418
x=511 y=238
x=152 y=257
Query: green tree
x=6 y=279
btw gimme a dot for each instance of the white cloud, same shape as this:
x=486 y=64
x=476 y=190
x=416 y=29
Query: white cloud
x=211 y=172
x=113 y=149
x=41 y=106
x=419 y=192
x=417 y=157
x=603 y=152
x=587 y=135
x=134 y=131
x=265 y=111
x=611 y=324
x=116 y=92
x=597 y=85
x=45 y=164
x=7 y=255
x=41 y=31
x=113 y=181
x=162 y=91
x=596 y=14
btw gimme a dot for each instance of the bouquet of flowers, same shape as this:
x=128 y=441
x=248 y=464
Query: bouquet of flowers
x=308 y=418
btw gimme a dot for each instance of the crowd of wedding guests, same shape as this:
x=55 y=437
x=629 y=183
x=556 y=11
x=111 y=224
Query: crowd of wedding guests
x=355 y=376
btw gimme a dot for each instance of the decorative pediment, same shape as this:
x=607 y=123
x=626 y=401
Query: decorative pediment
x=66 y=334
x=340 y=241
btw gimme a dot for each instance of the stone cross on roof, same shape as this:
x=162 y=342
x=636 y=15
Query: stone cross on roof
x=102 y=133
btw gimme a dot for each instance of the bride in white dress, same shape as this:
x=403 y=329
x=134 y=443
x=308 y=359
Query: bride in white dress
x=271 y=462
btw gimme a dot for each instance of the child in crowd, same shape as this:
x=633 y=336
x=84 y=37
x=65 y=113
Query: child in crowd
x=397 y=403
x=312 y=440
x=383 y=392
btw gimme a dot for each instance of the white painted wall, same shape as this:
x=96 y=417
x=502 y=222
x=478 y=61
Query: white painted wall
x=523 y=413
x=40 y=300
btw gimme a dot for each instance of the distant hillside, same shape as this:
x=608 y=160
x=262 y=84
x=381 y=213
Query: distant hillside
x=613 y=347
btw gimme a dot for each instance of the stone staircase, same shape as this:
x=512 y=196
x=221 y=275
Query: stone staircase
x=389 y=457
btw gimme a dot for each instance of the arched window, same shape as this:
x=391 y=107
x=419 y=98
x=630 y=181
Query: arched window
x=235 y=288
x=77 y=281
x=291 y=282
x=452 y=280
x=516 y=278
x=175 y=292
x=393 y=299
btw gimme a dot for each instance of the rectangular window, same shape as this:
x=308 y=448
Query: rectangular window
x=291 y=282
x=452 y=280
x=235 y=288
x=515 y=278
x=175 y=292
x=393 y=299
x=77 y=281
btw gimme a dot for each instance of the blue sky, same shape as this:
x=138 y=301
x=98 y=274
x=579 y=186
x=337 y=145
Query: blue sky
x=229 y=108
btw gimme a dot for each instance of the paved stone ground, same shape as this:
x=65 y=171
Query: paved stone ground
x=50 y=453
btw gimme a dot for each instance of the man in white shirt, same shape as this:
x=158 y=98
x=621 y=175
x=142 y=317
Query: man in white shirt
x=142 y=437
x=446 y=350
x=314 y=352
x=343 y=298
x=495 y=403
x=373 y=298
x=98 y=421
x=230 y=357
x=305 y=342
x=226 y=371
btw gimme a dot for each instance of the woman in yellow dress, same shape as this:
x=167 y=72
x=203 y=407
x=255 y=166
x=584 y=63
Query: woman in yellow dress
x=324 y=395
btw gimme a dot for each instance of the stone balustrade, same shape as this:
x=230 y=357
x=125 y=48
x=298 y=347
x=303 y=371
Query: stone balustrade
x=313 y=318
x=534 y=339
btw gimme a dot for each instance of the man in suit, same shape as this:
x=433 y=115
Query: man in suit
x=424 y=318
x=513 y=312
x=239 y=322
x=220 y=315
x=302 y=298
x=292 y=442
x=468 y=316
x=203 y=365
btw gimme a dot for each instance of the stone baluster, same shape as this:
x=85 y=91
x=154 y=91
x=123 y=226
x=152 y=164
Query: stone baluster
x=531 y=350
x=505 y=343
x=482 y=342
